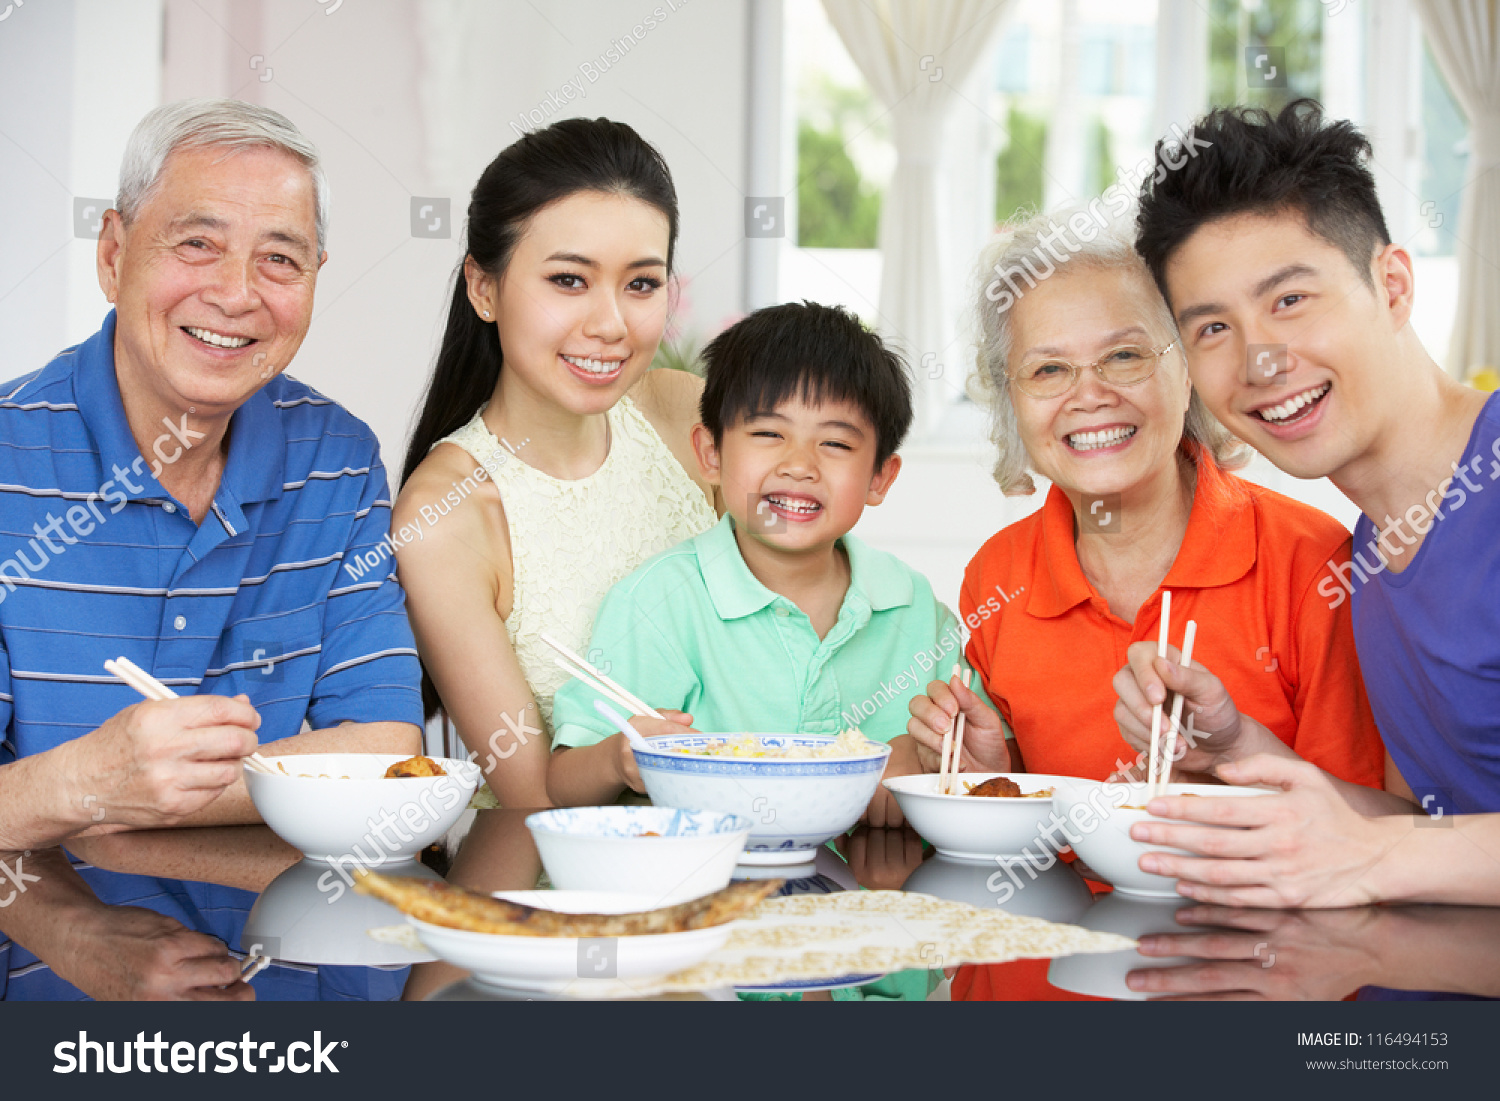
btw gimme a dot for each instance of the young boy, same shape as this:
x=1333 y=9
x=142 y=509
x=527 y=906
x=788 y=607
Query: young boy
x=777 y=620
x=1295 y=313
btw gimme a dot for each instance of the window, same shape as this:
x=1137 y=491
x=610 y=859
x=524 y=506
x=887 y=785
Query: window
x=1290 y=32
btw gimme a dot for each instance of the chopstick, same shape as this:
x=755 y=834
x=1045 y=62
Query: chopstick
x=252 y=966
x=629 y=703
x=571 y=663
x=1161 y=652
x=153 y=689
x=1171 y=746
x=942 y=786
x=958 y=741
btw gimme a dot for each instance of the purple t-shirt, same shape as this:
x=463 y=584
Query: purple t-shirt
x=1429 y=637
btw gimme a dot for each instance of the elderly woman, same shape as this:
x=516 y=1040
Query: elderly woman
x=1088 y=388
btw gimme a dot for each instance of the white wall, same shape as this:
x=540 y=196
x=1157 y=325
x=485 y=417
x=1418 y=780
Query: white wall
x=412 y=98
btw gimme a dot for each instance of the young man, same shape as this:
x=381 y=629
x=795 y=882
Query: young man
x=777 y=620
x=1294 y=308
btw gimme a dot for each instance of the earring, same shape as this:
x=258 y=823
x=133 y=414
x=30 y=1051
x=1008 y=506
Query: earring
x=486 y=314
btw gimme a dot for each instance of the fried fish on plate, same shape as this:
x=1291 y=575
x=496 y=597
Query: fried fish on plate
x=457 y=908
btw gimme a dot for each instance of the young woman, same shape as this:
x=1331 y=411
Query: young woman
x=547 y=463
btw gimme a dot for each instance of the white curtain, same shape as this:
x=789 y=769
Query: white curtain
x=1465 y=40
x=914 y=54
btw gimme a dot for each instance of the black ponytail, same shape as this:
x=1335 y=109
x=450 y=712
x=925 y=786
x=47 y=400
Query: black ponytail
x=540 y=169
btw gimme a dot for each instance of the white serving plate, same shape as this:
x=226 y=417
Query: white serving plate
x=962 y=827
x=553 y=964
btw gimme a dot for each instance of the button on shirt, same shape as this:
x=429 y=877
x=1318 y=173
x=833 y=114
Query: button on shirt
x=693 y=629
x=284 y=592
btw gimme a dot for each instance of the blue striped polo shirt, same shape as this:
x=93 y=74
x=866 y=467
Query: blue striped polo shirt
x=98 y=560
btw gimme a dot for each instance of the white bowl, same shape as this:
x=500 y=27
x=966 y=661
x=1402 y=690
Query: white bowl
x=966 y=828
x=365 y=820
x=311 y=914
x=1102 y=974
x=554 y=964
x=1099 y=817
x=602 y=849
x=794 y=806
x=1056 y=893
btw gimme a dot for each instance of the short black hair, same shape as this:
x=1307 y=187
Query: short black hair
x=817 y=353
x=1298 y=162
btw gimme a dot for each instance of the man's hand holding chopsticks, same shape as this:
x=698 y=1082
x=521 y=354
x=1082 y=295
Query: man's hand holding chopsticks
x=155 y=763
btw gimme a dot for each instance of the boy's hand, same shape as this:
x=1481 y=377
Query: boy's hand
x=933 y=715
x=884 y=812
x=671 y=722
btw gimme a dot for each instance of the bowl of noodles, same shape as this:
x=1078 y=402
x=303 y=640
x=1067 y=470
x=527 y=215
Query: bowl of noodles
x=797 y=790
x=361 y=809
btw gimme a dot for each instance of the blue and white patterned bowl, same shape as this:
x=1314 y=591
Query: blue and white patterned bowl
x=606 y=849
x=794 y=805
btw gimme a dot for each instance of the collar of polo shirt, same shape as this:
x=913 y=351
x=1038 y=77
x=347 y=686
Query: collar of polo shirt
x=256 y=469
x=736 y=592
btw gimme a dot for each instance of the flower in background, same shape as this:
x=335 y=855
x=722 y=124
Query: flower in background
x=1483 y=378
x=681 y=347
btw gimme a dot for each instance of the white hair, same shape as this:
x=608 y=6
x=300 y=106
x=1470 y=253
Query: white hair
x=1030 y=251
x=228 y=124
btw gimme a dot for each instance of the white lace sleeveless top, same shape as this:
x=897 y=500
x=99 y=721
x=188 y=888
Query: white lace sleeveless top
x=571 y=541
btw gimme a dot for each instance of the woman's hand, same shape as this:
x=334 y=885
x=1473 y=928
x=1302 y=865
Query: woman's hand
x=1306 y=848
x=933 y=715
x=1213 y=730
x=671 y=722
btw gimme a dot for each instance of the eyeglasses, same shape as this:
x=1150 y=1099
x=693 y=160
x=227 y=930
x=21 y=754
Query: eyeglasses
x=1123 y=366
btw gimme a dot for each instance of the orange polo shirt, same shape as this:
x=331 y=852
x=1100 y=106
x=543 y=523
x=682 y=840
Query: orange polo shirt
x=1047 y=646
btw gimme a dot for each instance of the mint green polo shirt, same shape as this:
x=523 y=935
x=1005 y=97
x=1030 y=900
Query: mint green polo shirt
x=692 y=629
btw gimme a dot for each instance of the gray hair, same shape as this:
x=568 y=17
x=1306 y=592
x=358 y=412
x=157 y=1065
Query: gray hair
x=228 y=124
x=1030 y=251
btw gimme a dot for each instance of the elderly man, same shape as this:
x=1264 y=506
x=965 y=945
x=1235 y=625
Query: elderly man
x=168 y=495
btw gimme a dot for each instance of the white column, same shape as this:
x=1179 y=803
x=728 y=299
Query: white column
x=1181 y=64
x=1393 y=111
x=764 y=110
x=1343 y=76
x=1064 y=158
x=117 y=75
